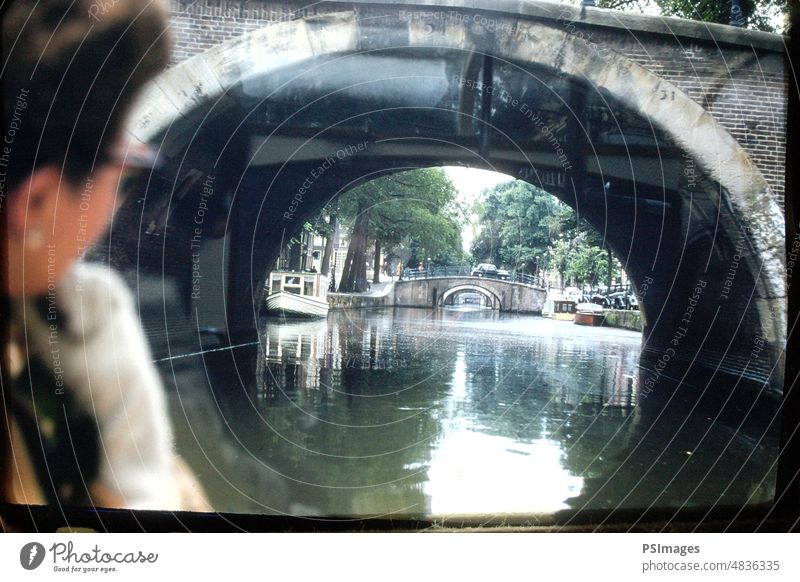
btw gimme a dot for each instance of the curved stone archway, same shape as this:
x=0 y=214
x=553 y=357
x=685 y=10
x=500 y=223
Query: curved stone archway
x=198 y=88
x=494 y=301
x=212 y=97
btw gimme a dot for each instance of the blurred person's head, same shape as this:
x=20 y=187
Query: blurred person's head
x=71 y=71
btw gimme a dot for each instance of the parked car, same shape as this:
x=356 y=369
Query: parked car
x=503 y=274
x=598 y=298
x=622 y=300
x=618 y=300
x=485 y=270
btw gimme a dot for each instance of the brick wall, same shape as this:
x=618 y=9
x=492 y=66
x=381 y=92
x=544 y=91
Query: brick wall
x=743 y=88
x=197 y=25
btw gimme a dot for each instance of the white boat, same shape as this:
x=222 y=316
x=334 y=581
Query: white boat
x=298 y=294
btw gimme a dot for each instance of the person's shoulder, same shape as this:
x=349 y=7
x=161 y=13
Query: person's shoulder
x=99 y=282
x=92 y=293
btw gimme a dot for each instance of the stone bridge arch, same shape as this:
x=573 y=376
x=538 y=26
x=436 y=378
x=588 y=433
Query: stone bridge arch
x=197 y=89
x=207 y=91
x=494 y=300
x=431 y=292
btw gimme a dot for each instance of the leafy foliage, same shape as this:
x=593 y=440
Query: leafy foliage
x=518 y=226
x=526 y=229
x=411 y=215
x=757 y=14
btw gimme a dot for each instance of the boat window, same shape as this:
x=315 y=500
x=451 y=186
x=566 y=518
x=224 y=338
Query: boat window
x=292 y=281
x=309 y=288
x=275 y=287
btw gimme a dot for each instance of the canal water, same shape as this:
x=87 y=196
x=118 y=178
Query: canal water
x=458 y=411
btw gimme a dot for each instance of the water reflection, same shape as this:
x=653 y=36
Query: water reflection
x=455 y=411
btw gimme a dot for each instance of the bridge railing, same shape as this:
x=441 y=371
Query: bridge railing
x=526 y=279
x=448 y=271
x=466 y=271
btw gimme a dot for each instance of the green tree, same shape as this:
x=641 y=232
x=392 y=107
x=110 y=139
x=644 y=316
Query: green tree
x=487 y=244
x=531 y=214
x=525 y=228
x=587 y=264
x=757 y=14
x=520 y=223
x=412 y=214
x=559 y=256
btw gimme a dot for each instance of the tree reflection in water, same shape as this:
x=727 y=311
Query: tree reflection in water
x=459 y=411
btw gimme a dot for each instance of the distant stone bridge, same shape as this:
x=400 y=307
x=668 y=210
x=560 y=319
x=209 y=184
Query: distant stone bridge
x=502 y=295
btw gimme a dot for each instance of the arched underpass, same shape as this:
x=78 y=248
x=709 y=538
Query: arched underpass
x=262 y=131
x=499 y=294
x=675 y=194
x=451 y=296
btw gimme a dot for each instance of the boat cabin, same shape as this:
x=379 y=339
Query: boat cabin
x=302 y=294
x=561 y=309
x=308 y=284
x=563 y=306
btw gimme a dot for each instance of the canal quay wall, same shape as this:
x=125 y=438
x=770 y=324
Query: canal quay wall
x=619 y=318
x=623 y=319
x=356 y=301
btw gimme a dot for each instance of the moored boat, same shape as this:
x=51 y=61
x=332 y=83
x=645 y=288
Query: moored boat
x=589 y=314
x=559 y=309
x=298 y=294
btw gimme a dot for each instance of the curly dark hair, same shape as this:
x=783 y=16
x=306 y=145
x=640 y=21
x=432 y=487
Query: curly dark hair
x=71 y=68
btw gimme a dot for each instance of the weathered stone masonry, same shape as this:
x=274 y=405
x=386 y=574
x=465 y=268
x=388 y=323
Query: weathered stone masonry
x=742 y=86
